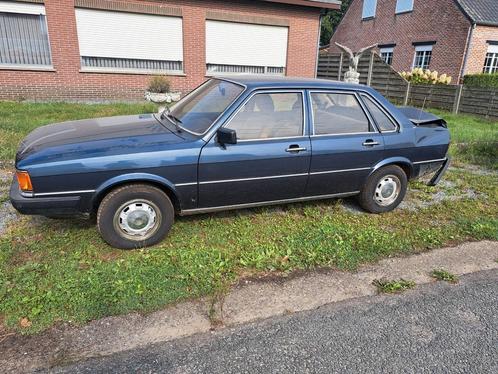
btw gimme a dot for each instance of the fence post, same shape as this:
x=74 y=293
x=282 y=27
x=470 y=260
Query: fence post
x=407 y=93
x=340 y=68
x=370 y=69
x=490 y=103
x=458 y=98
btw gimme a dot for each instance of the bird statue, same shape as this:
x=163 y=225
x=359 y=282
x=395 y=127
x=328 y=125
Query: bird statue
x=352 y=75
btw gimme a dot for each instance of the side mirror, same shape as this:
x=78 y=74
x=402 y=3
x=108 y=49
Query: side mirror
x=226 y=136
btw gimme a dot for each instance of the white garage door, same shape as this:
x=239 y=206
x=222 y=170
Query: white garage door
x=129 y=41
x=245 y=48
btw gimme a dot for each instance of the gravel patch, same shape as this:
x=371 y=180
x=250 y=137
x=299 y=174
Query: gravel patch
x=7 y=212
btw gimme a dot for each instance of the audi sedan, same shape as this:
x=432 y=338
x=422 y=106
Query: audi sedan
x=236 y=142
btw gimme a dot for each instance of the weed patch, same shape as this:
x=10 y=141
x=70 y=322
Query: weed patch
x=393 y=286
x=444 y=275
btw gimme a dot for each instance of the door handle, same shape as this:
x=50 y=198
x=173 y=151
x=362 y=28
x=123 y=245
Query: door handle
x=370 y=143
x=295 y=148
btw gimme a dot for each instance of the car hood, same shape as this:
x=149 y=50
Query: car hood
x=91 y=131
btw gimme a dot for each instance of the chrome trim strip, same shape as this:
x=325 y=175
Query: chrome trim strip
x=186 y=184
x=304 y=137
x=265 y=203
x=62 y=193
x=428 y=161
x=255 y=178
x=338 y=171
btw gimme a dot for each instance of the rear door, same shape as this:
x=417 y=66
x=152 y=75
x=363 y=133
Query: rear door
x=346 y=143
x=271 y=159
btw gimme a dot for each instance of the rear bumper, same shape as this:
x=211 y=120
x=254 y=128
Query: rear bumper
x=439 y=174
x=44 y=206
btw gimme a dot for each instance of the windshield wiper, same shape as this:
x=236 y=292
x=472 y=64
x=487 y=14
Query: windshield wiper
x=174 y=120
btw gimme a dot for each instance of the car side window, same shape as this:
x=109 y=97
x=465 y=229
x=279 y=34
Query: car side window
x=383 y=122
x=338 y=113
x=270 y=115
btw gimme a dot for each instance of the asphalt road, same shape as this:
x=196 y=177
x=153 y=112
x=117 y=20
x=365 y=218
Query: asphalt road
x=436 y=328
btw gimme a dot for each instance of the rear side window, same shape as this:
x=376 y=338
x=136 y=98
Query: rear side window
x=338 y=113
x=381 y=119
x=270 y=115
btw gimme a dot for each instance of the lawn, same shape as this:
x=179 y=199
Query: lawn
x=55 y=271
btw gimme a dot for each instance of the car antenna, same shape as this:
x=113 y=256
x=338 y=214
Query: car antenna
x=423 y=107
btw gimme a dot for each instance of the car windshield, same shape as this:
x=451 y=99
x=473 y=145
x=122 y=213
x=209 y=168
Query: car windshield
x=197 y=111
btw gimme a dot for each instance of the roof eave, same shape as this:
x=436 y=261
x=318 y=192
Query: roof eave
x=327 y=4
x=490 y=24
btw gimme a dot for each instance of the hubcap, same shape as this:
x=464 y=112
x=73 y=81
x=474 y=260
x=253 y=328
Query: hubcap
x=387 y=190
x=137 y=220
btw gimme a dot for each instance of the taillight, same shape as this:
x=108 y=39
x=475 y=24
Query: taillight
x=24 y=181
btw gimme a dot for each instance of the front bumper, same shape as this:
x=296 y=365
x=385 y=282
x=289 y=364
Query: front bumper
x=44 y=206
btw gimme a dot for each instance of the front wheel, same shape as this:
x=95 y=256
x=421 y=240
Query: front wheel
x=385 y=190
x=135 y=216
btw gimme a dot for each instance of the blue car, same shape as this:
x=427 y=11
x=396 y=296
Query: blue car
x=232 y=143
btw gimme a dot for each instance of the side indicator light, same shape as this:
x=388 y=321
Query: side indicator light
x=24 y=181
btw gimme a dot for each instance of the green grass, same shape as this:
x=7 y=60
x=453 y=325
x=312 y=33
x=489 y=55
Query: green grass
x=444 y=275
x=60 y=270
x=474 y=140
x=393 y=286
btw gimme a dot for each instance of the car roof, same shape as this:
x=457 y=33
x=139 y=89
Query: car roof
x=265 y=81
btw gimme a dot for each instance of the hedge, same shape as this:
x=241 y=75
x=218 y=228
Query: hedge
x=481 y=80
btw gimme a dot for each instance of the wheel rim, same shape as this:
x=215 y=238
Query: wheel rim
x=137 y=220
x=387 y=190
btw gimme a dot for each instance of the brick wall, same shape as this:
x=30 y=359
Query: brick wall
x=67 y=82
x=430 y=20
x=479 y=47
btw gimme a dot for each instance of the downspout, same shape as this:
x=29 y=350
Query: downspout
x=322 y=14
x=467 y=50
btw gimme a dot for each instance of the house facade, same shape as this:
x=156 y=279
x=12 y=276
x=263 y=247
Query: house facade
x=108 y=49
x=456 y=37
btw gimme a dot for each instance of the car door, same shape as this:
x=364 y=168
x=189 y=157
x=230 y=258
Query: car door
x=271 y=159
x=346 y=144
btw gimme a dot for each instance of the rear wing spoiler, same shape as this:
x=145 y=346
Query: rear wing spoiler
x=420 y=118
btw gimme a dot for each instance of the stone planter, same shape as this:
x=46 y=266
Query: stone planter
x=161 y=98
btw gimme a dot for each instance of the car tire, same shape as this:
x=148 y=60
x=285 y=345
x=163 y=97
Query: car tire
x=384 y=190
x=135 y=216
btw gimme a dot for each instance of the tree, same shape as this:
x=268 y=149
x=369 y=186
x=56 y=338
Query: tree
x=331 y=20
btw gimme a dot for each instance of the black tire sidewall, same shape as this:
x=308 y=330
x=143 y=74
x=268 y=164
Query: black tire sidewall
x=116 y=198
x=366 y=198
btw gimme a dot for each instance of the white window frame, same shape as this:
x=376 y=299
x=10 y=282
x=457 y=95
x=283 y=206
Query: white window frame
x=423 y=48
x=28 y=9
x=366 y=5
x=493 y=66
x=402 y=6
x=386 y=50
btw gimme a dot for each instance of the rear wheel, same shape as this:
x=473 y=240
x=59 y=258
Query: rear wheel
x=385 y=190
x=135 y=216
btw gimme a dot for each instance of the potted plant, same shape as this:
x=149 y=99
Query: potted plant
x=158 y=91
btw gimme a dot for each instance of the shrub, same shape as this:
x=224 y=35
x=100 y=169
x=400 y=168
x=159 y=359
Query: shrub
x=420 y=76
x=481 y=80
x=159 y=84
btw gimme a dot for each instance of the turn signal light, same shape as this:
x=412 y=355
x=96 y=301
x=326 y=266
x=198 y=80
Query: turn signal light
x=24 y=181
